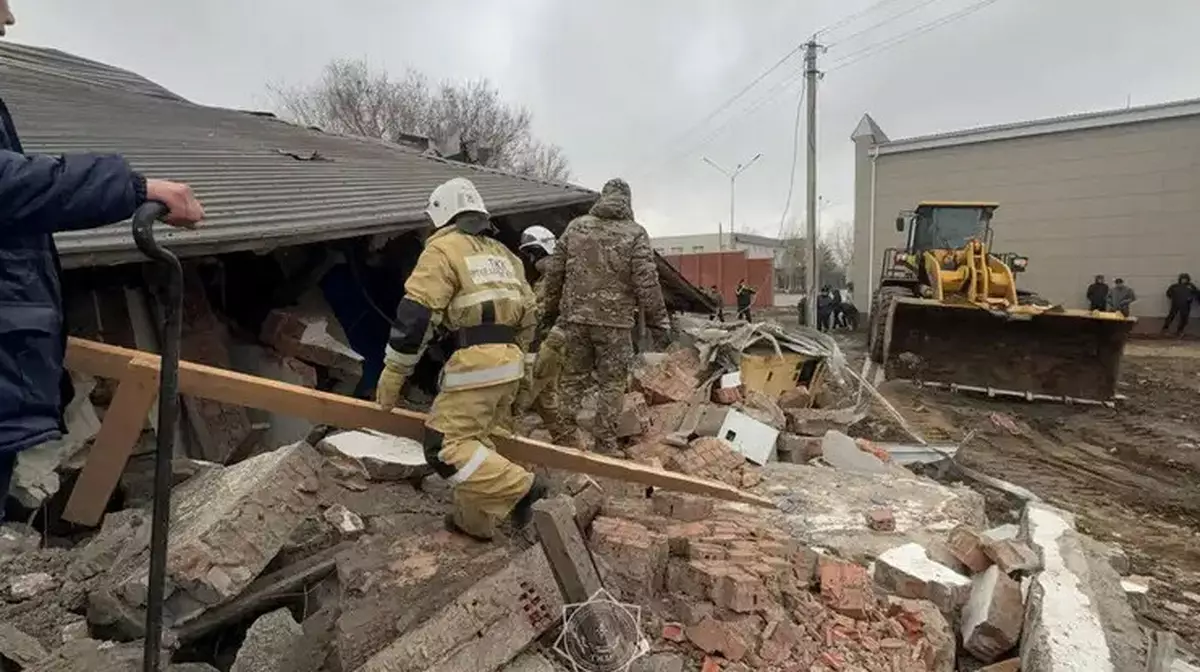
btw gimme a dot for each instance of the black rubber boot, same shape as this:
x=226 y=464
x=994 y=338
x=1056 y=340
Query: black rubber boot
x=452 y=526
x=522 y=513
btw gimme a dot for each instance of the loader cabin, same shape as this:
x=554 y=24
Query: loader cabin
x=948 y=225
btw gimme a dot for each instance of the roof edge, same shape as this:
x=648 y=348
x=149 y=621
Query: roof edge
x=1076 y=122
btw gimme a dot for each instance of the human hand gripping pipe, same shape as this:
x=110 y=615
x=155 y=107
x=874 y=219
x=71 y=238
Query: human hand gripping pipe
x=168 y=416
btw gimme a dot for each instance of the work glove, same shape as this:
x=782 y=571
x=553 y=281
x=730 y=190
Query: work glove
x=387 y=390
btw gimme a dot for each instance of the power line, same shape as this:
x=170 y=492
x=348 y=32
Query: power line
x=883 y=45
x=795 y=160
x=783 y=85
x=735 y=97
x=847 y=19
x=884 y=22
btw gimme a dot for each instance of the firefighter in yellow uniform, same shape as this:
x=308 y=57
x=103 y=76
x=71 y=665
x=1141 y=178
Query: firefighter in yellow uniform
x=540 y=390
x=471 y=284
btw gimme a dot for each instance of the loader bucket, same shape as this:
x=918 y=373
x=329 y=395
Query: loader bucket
x=1074 y=355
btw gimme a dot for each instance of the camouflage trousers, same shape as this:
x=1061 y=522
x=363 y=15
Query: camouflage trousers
x=607 y=354
x=539 y=389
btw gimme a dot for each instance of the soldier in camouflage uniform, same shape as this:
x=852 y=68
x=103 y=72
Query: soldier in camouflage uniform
x=601 y=274
x=539 y=390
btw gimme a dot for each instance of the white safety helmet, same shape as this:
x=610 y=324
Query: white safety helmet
x=452 y=198
x=538 y=237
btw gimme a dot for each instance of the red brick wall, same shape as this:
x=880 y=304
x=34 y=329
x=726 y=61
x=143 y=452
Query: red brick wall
x=725 y=269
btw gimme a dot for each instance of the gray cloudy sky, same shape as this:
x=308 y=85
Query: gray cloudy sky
x=616 y=83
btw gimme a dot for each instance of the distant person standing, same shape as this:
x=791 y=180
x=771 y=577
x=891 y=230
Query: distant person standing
x=1097 y=294
x=745 y=296
x=1121 y=297
x=835 y=309
x=824 y=308
x=1181 y=294
x=719 y=301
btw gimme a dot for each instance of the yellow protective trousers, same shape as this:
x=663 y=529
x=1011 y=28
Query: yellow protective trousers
x=460 y=447
x=539 y=393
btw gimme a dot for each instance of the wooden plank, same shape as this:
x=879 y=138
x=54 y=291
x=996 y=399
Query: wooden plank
x=123 y=424
x=231 y=387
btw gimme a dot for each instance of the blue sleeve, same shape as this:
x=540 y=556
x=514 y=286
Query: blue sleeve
x=45 y=194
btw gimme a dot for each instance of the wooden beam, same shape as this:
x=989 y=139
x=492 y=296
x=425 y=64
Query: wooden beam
x=109 y=361
x=123 y=424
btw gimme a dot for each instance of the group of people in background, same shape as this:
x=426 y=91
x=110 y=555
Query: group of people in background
x=835 y=309
x=1120 y=297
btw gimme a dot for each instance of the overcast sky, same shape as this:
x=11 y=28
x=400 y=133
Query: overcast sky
x=623 y=85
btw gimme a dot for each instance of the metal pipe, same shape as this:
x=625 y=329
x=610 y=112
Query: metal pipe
x=168 y=415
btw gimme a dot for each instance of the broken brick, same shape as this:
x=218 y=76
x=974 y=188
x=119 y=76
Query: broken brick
x=845 y=587
x=665 y=382
x=673 y=632
x=633 y=558
x=634 y=417
x=992 y=617
x=712 y=636
x=738 y=591
x=682 y=535
x=797 y=397
x=881 y=519
x=727 y=395
x=688 y=508
x=695 y=578
x=967 y=545
x=1012 y=555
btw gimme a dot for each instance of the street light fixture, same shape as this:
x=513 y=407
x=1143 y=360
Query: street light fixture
x=732 y=175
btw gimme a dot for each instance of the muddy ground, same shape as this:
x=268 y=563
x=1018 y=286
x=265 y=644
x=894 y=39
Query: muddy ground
x=1130 y=473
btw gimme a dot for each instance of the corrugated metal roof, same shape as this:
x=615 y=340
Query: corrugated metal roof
x=256 y=196
x=1062 y=124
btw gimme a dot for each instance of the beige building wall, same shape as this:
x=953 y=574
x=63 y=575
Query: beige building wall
x=1122 y=201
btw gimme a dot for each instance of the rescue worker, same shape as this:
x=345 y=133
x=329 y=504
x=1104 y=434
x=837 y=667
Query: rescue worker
x=539 y=391
x=1097 y=294
x=745 y=296
x=471 y=284
x=601 y=274
x=41 y=195
x=824 y=309
x=1181 y=294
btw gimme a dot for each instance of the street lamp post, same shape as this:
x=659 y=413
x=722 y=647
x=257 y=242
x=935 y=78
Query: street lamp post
x=732 y=175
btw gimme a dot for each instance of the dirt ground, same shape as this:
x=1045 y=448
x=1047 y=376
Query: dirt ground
x=1130 y=473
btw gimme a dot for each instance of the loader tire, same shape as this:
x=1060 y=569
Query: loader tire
x=882 y=305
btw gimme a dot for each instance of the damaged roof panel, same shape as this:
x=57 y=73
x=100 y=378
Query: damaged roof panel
x=265 y=183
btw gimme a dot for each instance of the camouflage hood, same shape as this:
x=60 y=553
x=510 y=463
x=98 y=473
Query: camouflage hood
x=615 y=201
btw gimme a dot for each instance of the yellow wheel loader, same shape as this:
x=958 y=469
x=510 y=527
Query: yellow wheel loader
x=947 y=312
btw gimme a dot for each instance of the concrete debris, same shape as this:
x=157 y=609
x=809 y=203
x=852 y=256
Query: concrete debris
x=75 y=630
x=1002 y=532
x=256 y=360
x=29 y=586
x=227 y=525
x=346 y=522
x=825 y=506
x=797 y=449
x=1063 y=629
x=906 y=571
x=35 y=476
x=635 y=416
x=797 y=397
x=841 y=452
x=18 y=651
x=881 y=519
x=267 y=643
x=312 y=334
x=531 y=661
x=488 y=625
x=1010 y=665
x=992 y=617
x=385 y=457
x=17 y=539
x=764 y=409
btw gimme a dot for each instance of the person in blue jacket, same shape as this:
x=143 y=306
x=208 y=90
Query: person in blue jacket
x=41 y=195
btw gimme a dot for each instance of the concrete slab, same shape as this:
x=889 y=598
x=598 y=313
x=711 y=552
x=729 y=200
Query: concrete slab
x=842 y=453
x=485 y=627
x=991 y=619
x=18 y=650
x=386 y=457
x=825 y=507
x=1064 y=630
x=907 y=571
x=267 y=643
x=226 y=525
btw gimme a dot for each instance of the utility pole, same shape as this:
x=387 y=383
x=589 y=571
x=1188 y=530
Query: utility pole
x=732 y=175
x=812 y=274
